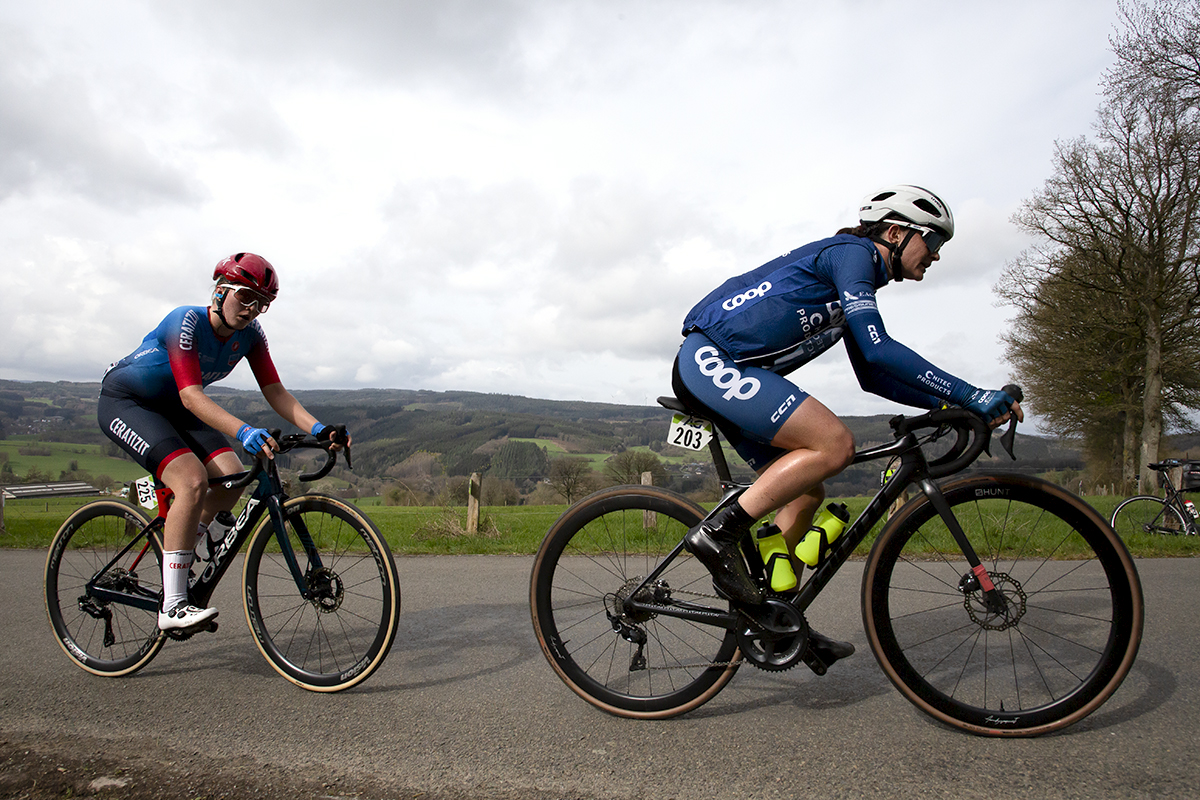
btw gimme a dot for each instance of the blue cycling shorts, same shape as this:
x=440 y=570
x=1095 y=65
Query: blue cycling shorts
x=748 y=404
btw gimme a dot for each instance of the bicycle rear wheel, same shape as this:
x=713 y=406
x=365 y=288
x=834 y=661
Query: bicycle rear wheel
x=1064 y=641
x=102 y=636
x=650 y=666
x=1147 y=515
x=338 y=631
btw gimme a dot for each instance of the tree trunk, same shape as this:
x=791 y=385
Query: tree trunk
x=1129 y=453
x=1152 y=398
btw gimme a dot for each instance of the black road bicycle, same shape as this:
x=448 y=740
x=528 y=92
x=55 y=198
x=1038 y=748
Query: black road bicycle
x=321 y=591
x=999 y=604
x=1172 y=516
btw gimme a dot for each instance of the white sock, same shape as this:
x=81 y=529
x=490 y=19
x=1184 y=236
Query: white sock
x=175 y=577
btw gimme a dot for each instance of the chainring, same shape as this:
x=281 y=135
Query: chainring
x=773 y=636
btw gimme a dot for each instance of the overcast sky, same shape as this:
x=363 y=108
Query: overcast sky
x=512 y=197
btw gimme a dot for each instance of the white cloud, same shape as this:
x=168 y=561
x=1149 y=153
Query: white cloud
x=521 y=197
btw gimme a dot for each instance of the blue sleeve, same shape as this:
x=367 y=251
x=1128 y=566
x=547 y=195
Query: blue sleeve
x=876 y=382
x=884 y=366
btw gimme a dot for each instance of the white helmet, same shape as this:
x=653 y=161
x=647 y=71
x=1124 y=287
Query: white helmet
x=911 y=203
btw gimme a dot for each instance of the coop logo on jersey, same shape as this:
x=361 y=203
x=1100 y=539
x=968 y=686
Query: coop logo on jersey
x=749 y=294
x=736 y=385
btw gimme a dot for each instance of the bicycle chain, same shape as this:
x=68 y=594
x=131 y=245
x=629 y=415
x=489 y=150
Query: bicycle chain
x=689 y=593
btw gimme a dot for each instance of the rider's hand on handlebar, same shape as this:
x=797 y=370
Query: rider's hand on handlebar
x=257 y=441
x=337 y=436
x=995 y=405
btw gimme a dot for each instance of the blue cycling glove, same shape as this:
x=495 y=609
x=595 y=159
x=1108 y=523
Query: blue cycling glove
x=253 y=439
x=326 y=433
x=990 y=403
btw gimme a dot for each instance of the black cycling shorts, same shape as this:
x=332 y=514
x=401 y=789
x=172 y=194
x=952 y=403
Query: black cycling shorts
x=156 y=434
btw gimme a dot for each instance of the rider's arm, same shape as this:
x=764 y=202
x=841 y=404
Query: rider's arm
x=877 y=383
x=883 y=359
x=206 y=409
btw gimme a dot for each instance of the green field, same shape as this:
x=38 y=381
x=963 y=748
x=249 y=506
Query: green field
x=89 y=457
x=507 y=530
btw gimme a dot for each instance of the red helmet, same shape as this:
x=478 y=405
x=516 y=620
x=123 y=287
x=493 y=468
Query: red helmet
x=247 y=269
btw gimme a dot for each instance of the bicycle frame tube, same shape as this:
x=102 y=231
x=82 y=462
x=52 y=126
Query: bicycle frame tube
x=913 y=469
x=110 y=595
x=1175 y=500
x=205 y=583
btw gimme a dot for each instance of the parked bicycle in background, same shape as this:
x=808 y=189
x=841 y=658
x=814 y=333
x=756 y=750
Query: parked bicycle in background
x=1172 y=515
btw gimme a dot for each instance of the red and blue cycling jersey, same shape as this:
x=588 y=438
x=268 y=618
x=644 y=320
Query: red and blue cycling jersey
x=795 y=307
x=183 y=351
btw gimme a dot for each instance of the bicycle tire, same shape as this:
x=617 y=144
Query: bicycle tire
x=339 y=635
x=602 y=544
x=1143 y=514
x=104 y=637
x=1072 y=625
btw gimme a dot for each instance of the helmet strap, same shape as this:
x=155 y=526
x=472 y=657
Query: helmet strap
x=219 y=304
x=896 y=251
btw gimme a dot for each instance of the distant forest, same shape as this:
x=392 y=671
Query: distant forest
x=424 y=440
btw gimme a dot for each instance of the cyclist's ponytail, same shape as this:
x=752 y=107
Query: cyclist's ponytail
x=867 y=230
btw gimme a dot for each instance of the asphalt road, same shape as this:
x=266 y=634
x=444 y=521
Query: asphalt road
x=466 y=707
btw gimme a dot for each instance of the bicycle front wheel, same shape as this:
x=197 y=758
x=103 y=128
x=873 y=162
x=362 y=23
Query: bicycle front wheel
x=1070 y=625
x=647 y=666
x=102 y=635
x=329 y=624
x=1143 y=515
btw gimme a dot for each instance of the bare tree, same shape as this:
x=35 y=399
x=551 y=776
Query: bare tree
x=1119 y=223
x=1158 y=49
x=627 y=467
x=571 y=477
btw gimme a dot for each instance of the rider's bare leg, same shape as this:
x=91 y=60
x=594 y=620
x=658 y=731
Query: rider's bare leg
x=219 y=498
x=819 y=446
x=186 y=477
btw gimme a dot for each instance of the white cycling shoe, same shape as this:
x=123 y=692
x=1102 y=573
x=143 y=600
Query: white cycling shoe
x=184 y=616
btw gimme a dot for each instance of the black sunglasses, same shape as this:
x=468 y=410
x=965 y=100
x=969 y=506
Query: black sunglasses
x=933 y=239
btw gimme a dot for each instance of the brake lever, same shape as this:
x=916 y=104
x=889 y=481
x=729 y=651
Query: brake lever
x=340 y=433
x=1007 y=440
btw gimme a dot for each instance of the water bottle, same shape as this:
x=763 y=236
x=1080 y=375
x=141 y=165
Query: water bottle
x=832 y=521
x=1191 y=507
x=774 y=553
x=218 y=529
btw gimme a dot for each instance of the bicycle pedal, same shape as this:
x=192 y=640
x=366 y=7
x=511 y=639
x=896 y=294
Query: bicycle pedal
x=814 y=662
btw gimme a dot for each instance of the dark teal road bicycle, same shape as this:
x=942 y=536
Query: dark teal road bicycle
x=320 y=587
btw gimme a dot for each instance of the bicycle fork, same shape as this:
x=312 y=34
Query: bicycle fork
x=978 y=578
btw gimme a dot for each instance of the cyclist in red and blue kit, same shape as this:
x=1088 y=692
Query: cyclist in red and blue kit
x=152 y=403
x=757 y=327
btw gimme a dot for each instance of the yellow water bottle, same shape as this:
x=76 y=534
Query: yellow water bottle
x=773 y=550
x=830 y=523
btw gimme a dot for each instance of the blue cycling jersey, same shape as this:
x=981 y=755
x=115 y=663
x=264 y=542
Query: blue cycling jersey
x=790 y=310
x=183 y=351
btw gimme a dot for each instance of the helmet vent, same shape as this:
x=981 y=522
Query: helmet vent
x=928 y=207
x=883 y=196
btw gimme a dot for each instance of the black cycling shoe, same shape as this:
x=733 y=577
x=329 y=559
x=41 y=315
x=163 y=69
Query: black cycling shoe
x=720 y=554
x=828 y=650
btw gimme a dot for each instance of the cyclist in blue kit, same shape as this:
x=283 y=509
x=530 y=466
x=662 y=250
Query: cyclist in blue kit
x=152 y=403
x=757 y=327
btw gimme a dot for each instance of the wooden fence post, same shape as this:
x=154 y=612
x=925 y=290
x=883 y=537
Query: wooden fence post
x=473 y=493
x=649 y=518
